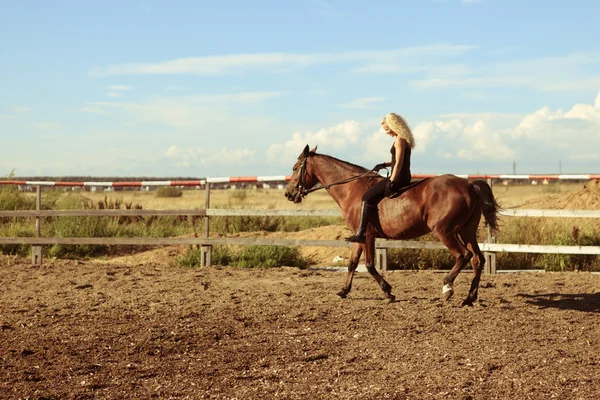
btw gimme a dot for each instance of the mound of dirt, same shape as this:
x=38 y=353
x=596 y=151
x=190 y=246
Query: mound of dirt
x=587 y=198
x=318 y=255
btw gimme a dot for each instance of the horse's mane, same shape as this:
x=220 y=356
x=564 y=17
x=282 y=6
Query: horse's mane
x=314 y=153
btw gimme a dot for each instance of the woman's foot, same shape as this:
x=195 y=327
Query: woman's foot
x=357 y=238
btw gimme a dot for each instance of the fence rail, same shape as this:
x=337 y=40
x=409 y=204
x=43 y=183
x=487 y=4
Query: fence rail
x=382 y=245
x=281 y=178
x=215 y=212
x=490 y=248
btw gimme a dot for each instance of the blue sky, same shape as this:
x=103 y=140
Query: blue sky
x=222 y=88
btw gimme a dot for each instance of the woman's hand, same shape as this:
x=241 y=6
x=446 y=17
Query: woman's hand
x=390 y=189
x=380 y=166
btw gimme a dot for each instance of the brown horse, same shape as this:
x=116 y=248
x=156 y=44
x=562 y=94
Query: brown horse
x=449 y=206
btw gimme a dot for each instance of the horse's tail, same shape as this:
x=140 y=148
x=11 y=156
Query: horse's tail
x=488 y=203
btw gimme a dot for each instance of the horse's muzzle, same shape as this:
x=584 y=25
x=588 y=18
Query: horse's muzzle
x=296 y=198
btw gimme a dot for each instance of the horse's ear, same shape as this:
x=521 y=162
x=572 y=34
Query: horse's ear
x=314 y=150
x=305 y=151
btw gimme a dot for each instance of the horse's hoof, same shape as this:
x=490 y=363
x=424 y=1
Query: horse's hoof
x=342 y=294
x=391 y=299
x=447 y=292
x=447 y=296
x=467 y=302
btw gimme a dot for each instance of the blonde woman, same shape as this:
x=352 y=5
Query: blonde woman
x=395 y=126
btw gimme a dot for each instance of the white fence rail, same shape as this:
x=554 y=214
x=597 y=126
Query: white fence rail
x=382 y=245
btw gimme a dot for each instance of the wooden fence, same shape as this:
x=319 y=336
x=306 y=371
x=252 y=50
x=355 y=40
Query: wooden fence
x=489 y=248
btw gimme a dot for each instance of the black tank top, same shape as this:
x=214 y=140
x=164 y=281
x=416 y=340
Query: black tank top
x=405 y=176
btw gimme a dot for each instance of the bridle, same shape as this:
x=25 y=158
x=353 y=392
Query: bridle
x=301 y=185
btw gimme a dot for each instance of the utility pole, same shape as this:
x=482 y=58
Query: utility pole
x=514 y=167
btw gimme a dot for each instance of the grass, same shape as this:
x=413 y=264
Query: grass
x=169 y=191
x=248 y=257
x=547 y=231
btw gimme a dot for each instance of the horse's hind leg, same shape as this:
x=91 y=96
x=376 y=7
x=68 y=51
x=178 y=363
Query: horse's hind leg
x=353 y=263
x=461 y=254
x=477 y=263
x=468 y=234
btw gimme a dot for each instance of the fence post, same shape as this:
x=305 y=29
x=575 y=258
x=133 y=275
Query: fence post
x=490 y=258
x=207 y=206
x=381 y=259
x=206 y=250
x=206 y=255
x=36 y=250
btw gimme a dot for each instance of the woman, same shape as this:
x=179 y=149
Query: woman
x=395 y=126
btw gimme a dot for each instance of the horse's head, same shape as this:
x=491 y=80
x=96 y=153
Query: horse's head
x=303 y=177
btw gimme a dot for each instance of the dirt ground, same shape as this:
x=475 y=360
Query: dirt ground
x=90 y=330
x=138 y=327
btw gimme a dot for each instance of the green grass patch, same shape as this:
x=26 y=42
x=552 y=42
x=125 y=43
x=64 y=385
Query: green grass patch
x=169 y=191
x=248 y=257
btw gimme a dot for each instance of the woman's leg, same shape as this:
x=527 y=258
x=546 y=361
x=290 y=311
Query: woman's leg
x=369 y=204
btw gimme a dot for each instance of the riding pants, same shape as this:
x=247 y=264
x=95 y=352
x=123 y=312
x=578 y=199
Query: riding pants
x=377 y=192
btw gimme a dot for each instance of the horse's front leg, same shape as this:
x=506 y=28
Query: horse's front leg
x=357 y=250
x=370 y=264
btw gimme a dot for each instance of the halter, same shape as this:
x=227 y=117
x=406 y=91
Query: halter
x=301 y=186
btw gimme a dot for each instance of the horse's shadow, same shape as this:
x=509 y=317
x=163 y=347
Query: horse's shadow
x=579 y=302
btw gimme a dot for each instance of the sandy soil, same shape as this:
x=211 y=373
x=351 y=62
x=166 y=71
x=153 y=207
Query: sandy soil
x=585 y=198
x=73 y=330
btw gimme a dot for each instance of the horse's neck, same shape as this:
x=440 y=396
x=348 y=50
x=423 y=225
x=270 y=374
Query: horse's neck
x=330 y=171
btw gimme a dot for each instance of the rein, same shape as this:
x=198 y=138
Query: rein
x=301 y=187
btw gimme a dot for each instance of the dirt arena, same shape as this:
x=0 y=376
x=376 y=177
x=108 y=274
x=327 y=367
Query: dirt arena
x=90 y=330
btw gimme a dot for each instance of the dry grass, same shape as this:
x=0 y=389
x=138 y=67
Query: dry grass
x=196 y=199
x=517 y=195
x=513 y=230
x=508 y=196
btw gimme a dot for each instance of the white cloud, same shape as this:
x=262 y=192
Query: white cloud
x=20 y=109
x=196 y=157
x=333 y=138
x=571 y=136
x=45 y=125
x=250 y=97
x=455 y=139
x=548 y=74
x=122 y=88
x=113 y=94
x=93 y=110
x=227 y=157
x=277 y=62
x=468 y=143
x=539 y=138
x=475 y=95
x=376 y=147
x=173 y=151
x=174 y=88
x=363 y=103
x=196 y=112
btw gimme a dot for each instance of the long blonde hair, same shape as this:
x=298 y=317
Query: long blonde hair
x=397 y=124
